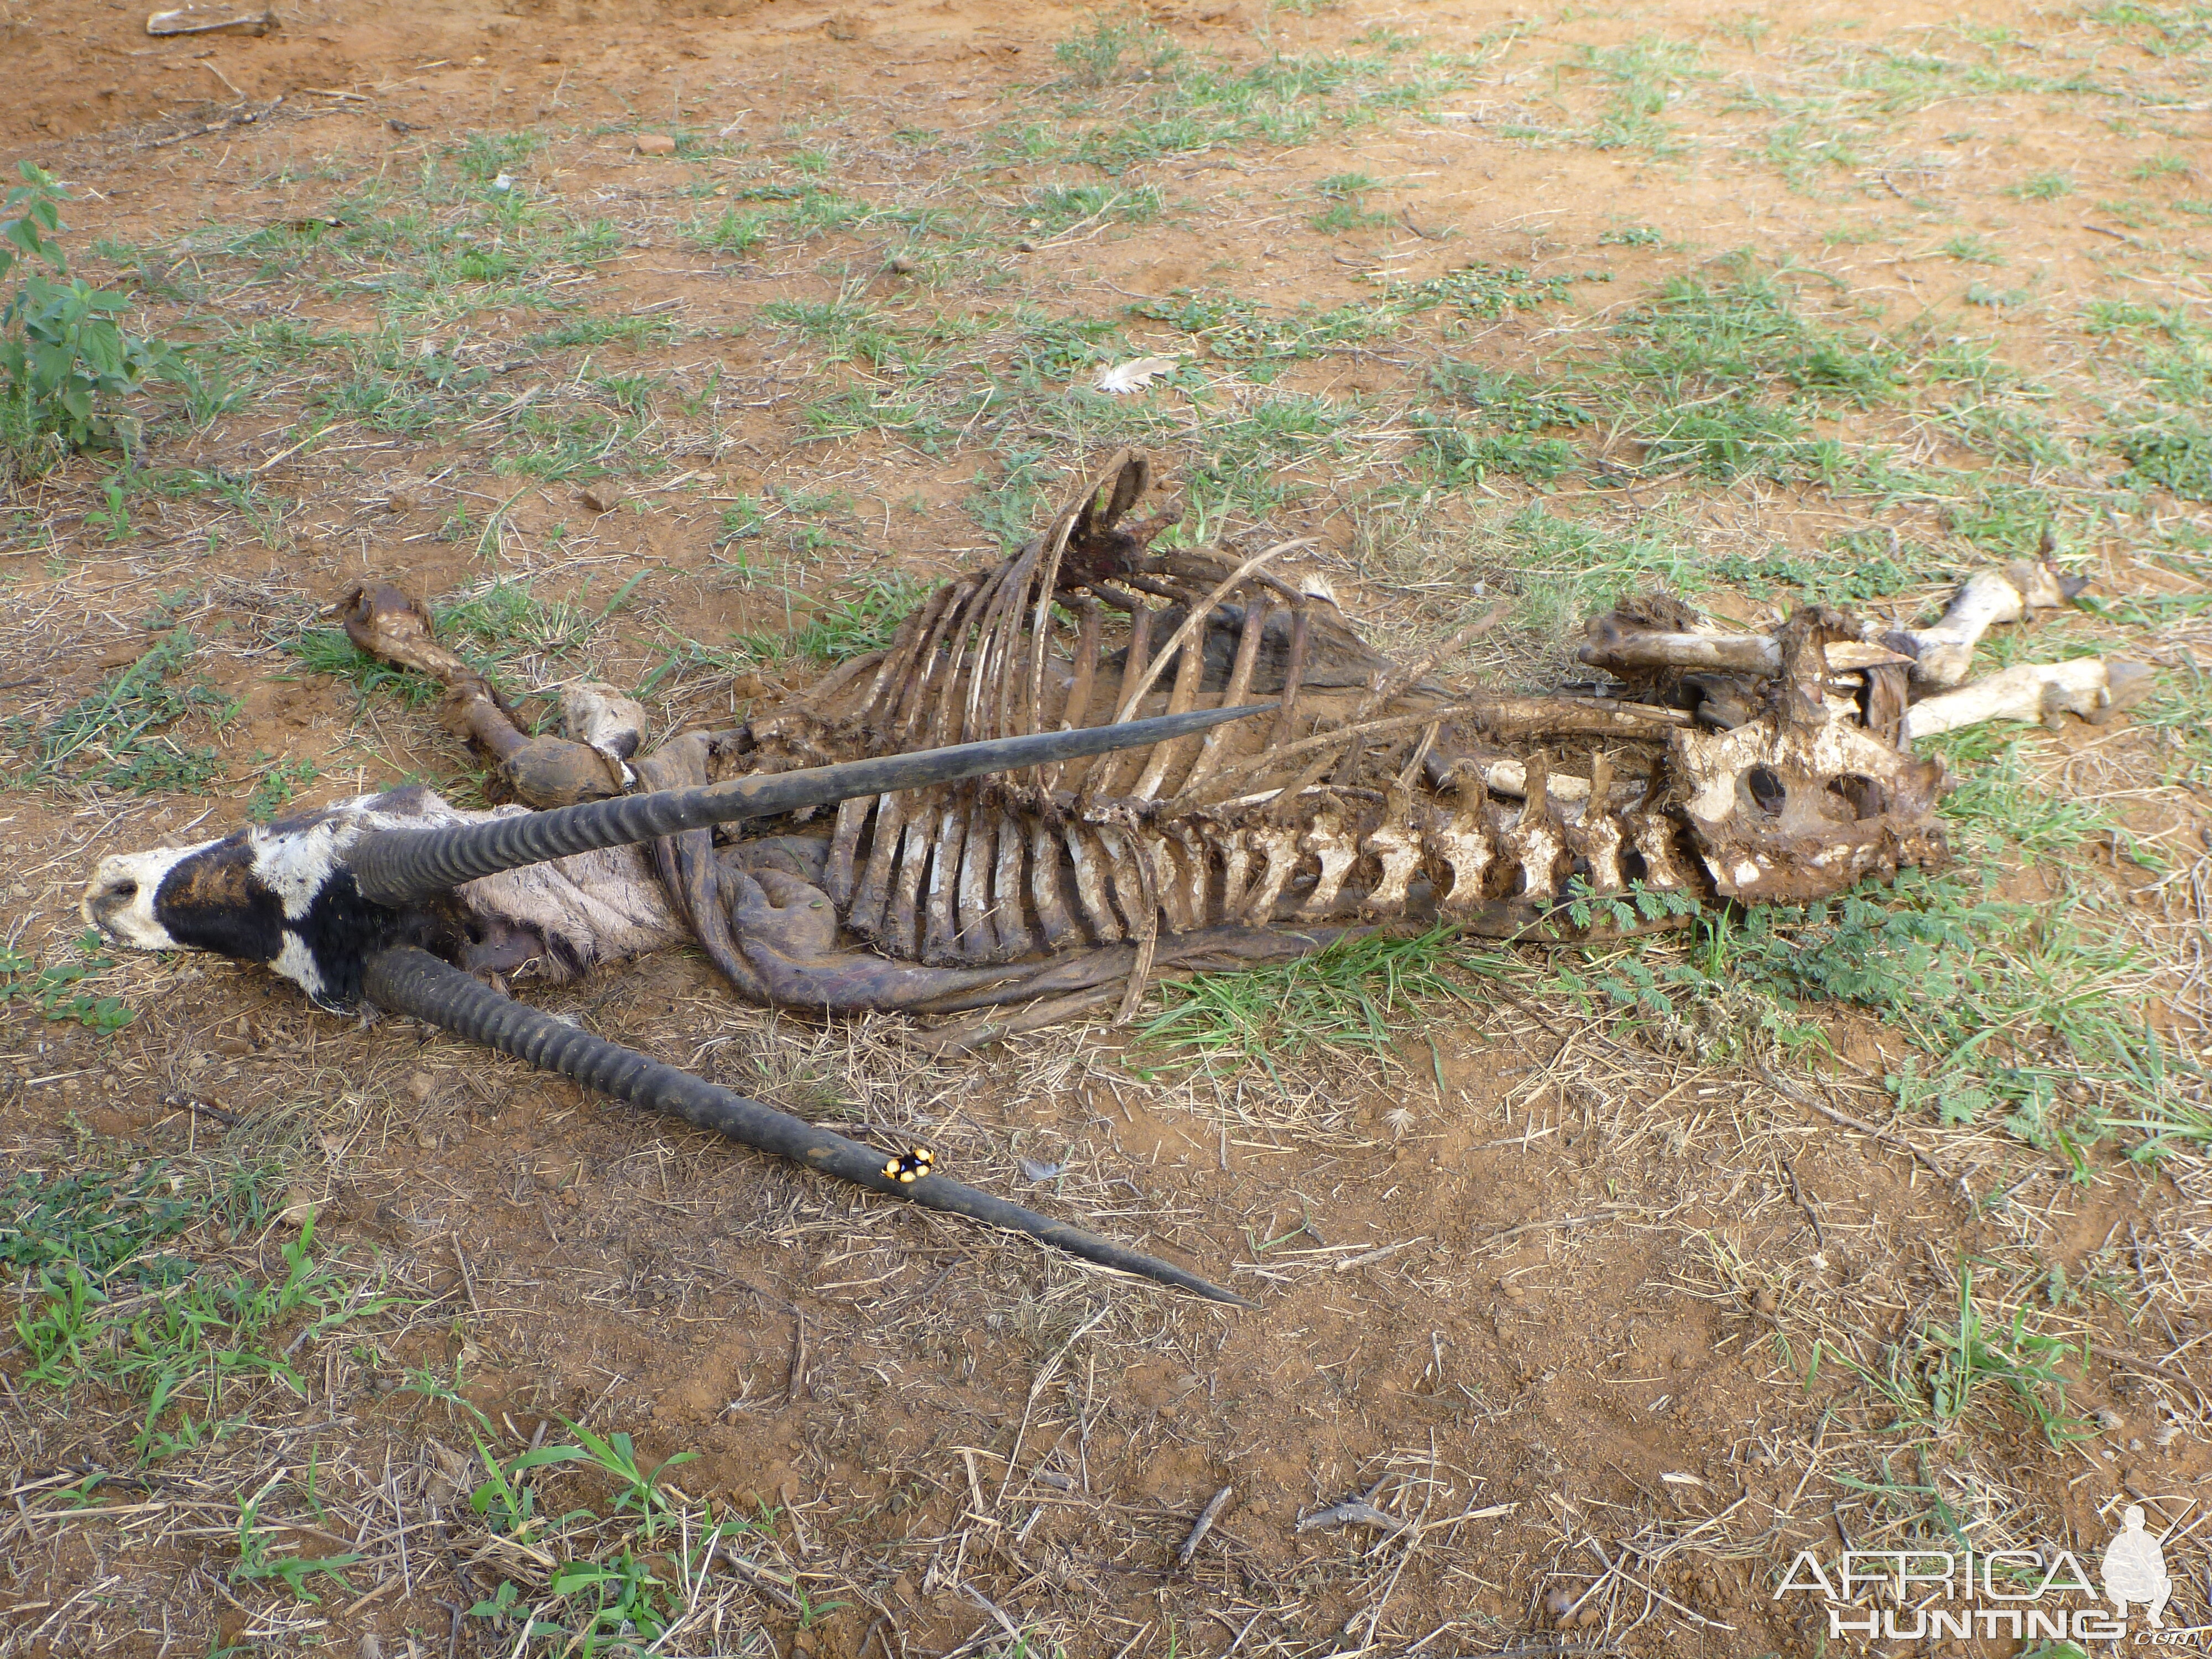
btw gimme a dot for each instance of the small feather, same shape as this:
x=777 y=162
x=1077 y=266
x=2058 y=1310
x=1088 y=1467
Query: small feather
x=1134 y=375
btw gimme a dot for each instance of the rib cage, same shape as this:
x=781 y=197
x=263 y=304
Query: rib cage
x=1358 y=801
x=1364 y=792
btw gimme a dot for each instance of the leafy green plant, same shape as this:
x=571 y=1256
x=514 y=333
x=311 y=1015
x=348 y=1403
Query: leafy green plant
x=1459 y=457
x=2040 y=187
x=1510 y=402
x=104 y=1304
x=847 y=626
x=114 y=517
x=278 y=786
x=64 y=360
x=734 y=233
x=2177 y=457
x=1858 y=565
x=1347 y=194
x=50 y=989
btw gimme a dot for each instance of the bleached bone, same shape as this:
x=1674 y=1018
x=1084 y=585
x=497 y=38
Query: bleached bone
x=1797 y=805
x=1623 y=651
x=1511 y=778
x=2093 y=687
x=1941 y=654
x=1631 y=650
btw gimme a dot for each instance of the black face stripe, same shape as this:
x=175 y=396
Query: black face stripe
x=218 y=900
x=213 y=902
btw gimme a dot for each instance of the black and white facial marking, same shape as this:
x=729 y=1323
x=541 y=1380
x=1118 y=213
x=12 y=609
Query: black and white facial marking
x=279 y=894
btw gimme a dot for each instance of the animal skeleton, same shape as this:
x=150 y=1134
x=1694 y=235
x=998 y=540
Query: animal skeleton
x=1058 y=867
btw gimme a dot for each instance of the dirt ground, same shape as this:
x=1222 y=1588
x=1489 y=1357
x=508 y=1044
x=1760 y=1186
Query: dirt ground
x=1601 y=1329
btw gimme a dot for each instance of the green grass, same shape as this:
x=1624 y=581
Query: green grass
x=1169 y=102
x=1058 y=207
x=1969 y=249
x=2013 y=1005
x=734 y=235
x=1456 y=455
x=1357 y=996
x=2175 y=456
x=484 y=155
x=1857 y=565
x=328 y=650
x=1951 y=1372
x=1237 y=331
x=843 y=626
x=1641 y=79
x=1346 y=194
x=629 y=1541
x=114 y=1298
x=1244 y=453
x=2041 y=187
x=1699 y=335
x=123 y=737
x=277 y=788
x=1481 y=293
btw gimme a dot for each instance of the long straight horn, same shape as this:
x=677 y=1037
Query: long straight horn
x=391 y=866
x=406 y=981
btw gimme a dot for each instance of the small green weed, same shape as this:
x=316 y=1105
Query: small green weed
x=1644 y=78
x=846 y=626
x=1960 y=1361
x=1481 y=292
x=1968 y=248
x=1237 y=330
x=1694 y=336
x=328 y=650
x=1346 y=193
x=257 y=1560
x=1857 y=566
x=2176 y=456
x=51 y=990
x=734 y=235
x=1058 y=207
x=117 y=738
x=1457 y=456
x=612 y=1598
x=2019 y=1007
x=1510 y=402
x=278 y=786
